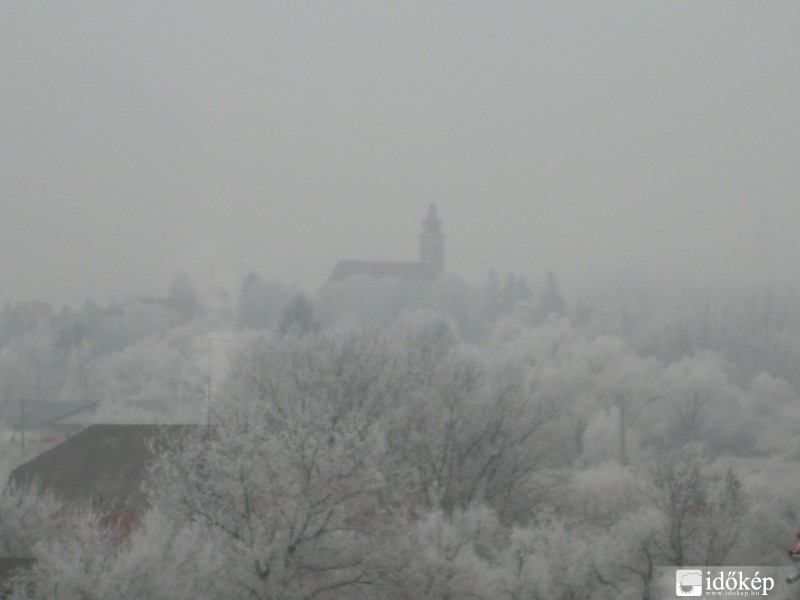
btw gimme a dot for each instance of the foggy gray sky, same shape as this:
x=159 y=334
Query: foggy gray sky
x=139 y=138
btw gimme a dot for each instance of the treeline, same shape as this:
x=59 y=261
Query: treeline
x=161 y=349
x=402 y=462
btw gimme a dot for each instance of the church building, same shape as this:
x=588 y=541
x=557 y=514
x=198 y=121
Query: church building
x=426 y=269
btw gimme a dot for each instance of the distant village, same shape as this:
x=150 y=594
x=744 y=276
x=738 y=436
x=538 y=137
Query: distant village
x=400 y=431
x=51 y=362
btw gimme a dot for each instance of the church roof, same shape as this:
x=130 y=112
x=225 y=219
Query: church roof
x=425 y=270
x=409 y=272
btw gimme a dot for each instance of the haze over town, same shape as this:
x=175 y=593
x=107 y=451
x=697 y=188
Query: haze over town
x=144 y=138
x=413 y=301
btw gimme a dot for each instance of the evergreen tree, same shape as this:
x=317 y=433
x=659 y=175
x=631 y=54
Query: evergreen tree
x=298 y=317
x=551 y=301
x=182 y=296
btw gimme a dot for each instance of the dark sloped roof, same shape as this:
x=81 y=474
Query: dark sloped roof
x=42 y=412
x=10 y=568
x=103 y=466
x=406 y=271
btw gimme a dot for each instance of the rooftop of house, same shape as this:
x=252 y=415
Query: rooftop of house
x=42 y=412
x=104 y=466
x=9 y=568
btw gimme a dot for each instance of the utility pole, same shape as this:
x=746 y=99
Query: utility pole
x=623 y=452
x=22 y=424
x=210 y=371
x=763 y=254
x=211 y=363
x=623 y=455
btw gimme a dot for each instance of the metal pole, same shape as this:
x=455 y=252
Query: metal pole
x=623 y=455
x=210 y=372
x=22 y=423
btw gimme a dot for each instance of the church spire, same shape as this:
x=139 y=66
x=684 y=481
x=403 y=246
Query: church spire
x=431 y=243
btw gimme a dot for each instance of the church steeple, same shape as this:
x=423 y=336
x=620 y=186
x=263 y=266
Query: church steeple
x=431 y=243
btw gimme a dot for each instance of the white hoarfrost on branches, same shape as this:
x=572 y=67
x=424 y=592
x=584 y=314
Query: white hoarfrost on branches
x=295 y=509
x=402 y=463
x=27 y=516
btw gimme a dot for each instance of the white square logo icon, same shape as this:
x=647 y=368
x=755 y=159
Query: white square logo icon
x=688 y=582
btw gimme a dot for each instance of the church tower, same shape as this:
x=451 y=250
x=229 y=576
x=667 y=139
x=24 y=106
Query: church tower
x=431 y=243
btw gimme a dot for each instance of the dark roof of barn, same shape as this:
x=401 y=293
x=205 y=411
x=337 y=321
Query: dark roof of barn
x=103 y=466
x=411 y=272
x=10 y=568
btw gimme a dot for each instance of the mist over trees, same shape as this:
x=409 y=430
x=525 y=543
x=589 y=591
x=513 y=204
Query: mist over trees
x=388 y=440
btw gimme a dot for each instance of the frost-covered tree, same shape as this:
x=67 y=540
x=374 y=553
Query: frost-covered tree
x=29 y=370
x=704 y=516
x=144 y=371
x=400 y=462
x=551 y=300
x=451 y=556
x=28 y=515
x=298 y=317
x=261 y=302
x=554 y=559
x=293 y=481
x=479 y=433
x=293 y=508
x=472 y=428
